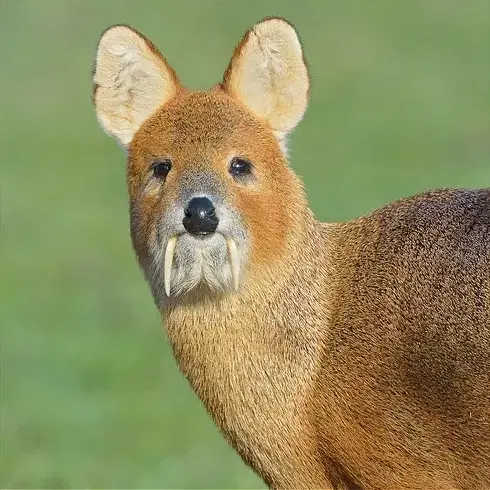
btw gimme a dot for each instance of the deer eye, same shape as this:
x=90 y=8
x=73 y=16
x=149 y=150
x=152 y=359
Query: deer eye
x=161 y=168
x=240 y=167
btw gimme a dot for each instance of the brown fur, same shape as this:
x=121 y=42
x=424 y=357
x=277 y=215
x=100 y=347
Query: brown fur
x=354 y=355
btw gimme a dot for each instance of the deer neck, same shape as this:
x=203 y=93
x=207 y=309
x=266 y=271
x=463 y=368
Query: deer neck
x=252 y=359
x=258 y=340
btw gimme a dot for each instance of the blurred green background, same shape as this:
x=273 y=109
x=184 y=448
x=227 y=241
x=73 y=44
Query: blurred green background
x=91 y=396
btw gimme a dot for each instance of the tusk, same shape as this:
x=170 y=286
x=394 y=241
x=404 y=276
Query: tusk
x=234 y=261
x=169 y=258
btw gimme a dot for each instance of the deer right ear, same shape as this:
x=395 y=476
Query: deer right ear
x=268 y=74
x=131 y=81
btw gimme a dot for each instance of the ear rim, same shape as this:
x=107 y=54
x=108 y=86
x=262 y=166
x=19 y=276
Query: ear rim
x=226 y=83
x=160 y=59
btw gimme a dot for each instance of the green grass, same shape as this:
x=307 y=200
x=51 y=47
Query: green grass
x=91 y=396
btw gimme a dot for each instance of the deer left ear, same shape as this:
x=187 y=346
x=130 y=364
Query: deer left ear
x=268 y=74
x=131 y=81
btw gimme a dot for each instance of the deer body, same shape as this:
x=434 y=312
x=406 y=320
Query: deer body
x=344 y=356
x=330 y=359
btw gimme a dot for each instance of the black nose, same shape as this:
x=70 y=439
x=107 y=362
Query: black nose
x=200 y=216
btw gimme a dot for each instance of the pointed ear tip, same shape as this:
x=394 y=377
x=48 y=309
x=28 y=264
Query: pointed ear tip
x=118 y=31
x=279 y=23
x=276 y=20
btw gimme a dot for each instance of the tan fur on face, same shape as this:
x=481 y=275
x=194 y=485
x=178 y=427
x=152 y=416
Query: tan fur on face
x=202 y=131
x=354 y=356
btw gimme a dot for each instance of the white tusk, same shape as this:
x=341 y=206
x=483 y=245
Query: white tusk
x=234 y=261
x=169 y=258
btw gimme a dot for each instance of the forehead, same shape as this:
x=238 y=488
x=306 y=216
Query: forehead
x=201 y=121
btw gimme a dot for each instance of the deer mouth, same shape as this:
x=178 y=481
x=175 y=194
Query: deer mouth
x=233 y=259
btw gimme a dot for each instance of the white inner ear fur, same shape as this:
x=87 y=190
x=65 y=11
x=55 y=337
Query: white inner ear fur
x=268 y=74
x=132 y=81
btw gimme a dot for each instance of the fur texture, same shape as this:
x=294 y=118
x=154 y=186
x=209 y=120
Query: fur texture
x=354 y=355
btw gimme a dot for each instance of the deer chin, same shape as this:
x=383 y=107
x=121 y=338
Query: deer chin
x=191 y=261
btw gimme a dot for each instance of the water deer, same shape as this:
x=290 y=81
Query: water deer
x=352 y=355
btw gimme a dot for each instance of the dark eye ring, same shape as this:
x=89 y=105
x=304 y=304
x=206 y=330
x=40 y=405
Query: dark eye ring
x=161 y=168
x=240 y=167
